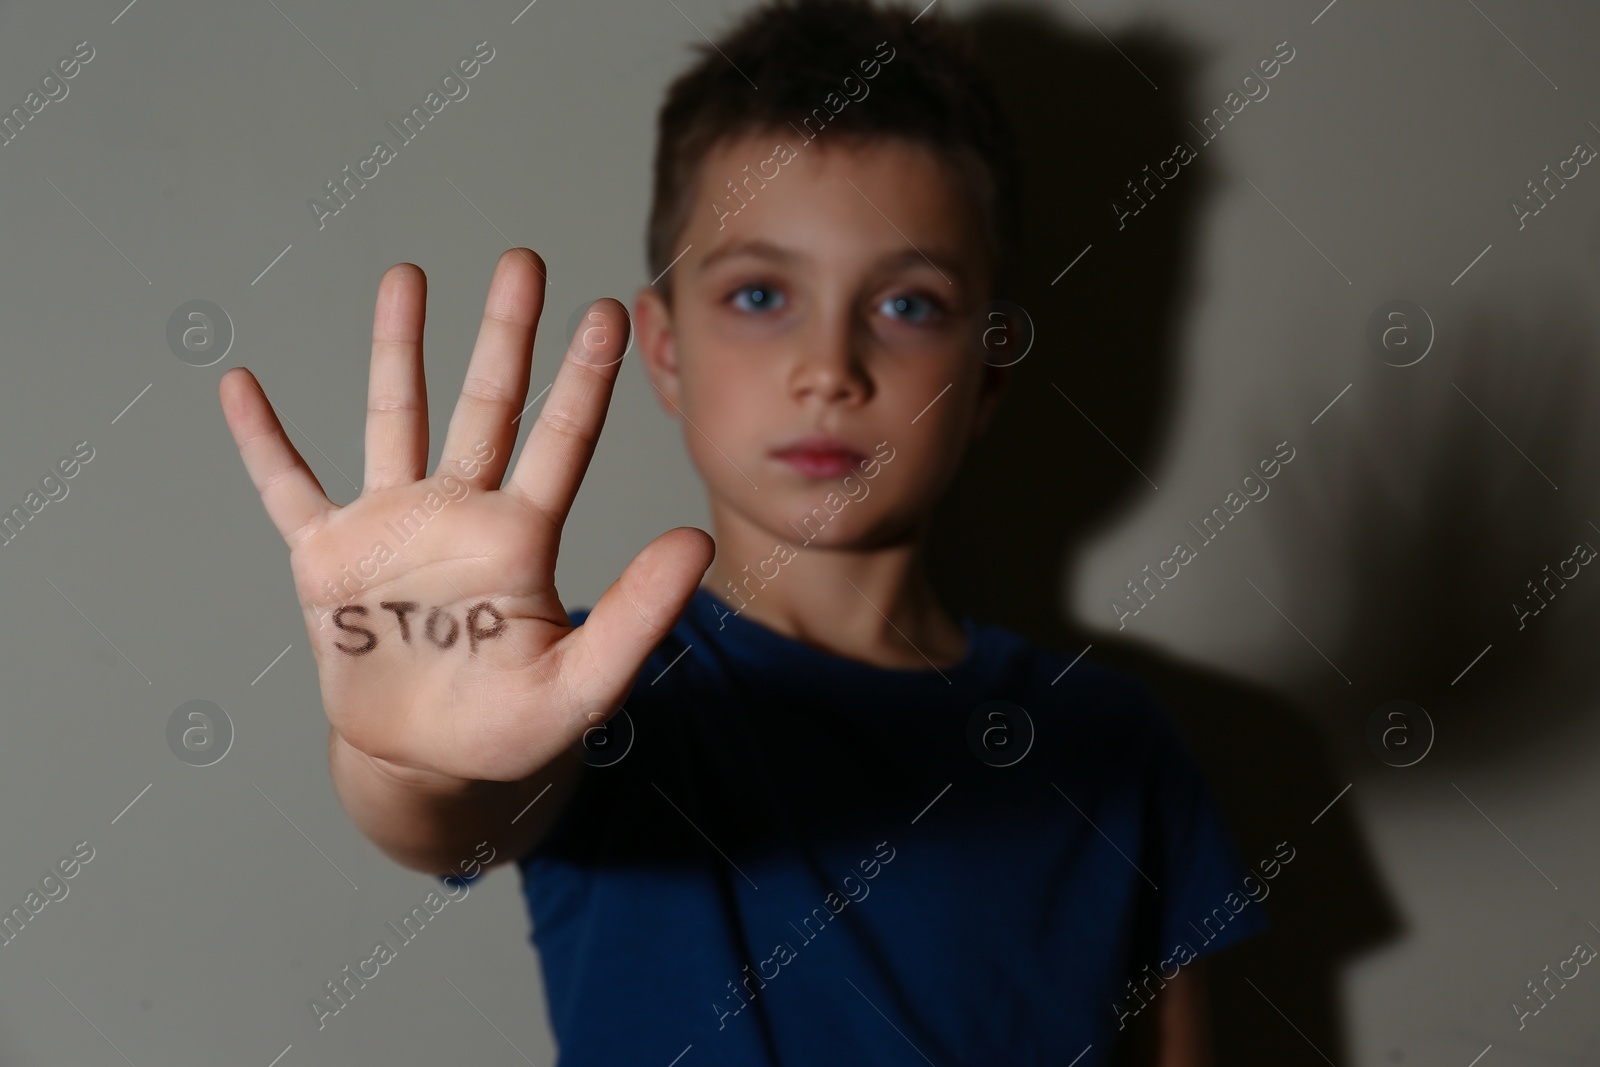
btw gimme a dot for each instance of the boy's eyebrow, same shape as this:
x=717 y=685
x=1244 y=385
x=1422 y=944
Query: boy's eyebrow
x=765 y=249
x=945 y=265
x=751 y=247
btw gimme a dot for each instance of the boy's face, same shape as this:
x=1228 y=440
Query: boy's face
x=838 y=305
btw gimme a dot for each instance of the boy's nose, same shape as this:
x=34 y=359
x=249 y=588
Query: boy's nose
x=830 y=366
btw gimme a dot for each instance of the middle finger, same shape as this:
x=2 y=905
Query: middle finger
x=478 y=443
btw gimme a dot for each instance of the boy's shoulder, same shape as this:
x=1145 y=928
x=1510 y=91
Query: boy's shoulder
x=1098 y=718
x=1004 y=651
x=1074 y=677
x=1002 y=665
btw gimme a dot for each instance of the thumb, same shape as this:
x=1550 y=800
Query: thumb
x=634 y=613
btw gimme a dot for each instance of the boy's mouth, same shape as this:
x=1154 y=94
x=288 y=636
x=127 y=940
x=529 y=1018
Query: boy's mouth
x=819 y=456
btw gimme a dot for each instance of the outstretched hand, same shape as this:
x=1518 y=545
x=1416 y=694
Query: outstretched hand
x=441 y=644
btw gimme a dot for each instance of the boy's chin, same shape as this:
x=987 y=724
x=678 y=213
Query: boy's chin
x=854 y=529
x=809 y=529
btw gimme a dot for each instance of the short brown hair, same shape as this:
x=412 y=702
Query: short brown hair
x=930 y=92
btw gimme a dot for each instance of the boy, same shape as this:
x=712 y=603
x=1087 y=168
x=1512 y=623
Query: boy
x=798 y=813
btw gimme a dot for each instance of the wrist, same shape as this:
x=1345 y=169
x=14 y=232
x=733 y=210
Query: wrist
x=396 y=775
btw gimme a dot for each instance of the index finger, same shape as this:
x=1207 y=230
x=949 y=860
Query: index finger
x=562 y=440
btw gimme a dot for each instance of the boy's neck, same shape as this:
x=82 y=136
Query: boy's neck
x=875 y=606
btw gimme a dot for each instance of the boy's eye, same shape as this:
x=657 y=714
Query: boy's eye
x=756 y=298
x=911 y=307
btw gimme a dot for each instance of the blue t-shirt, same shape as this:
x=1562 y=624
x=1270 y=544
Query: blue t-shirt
x=800 y=858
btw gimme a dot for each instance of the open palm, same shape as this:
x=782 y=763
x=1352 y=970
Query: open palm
x=441 y=643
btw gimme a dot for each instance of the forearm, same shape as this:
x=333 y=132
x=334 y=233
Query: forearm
x=432 y=824
x=1177 y=1031
x=1185 y=1020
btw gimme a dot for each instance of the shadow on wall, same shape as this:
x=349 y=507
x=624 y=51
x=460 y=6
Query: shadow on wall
x=1460 y=507
x=1043 y=479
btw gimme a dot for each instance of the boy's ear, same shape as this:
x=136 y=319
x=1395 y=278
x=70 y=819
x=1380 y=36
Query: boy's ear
x=995 y=377
x=652 y=320
x=991 y=391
